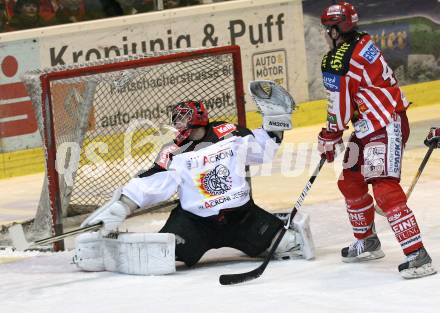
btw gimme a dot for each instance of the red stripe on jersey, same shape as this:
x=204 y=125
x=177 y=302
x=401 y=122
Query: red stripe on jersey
x=376 y=96
x=377 y=106
x=356 y=70
x=375 y=122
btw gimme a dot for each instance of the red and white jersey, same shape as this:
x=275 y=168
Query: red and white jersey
x=361 y=87
x=209 y=176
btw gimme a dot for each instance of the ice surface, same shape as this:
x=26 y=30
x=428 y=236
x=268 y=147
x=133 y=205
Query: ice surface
x=44 y=282
x=49 y=282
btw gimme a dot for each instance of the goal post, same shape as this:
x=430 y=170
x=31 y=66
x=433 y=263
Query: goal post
x=103 y=122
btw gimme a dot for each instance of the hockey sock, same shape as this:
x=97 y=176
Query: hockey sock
x=391 y=198
x=361 y=214
x=404 y=225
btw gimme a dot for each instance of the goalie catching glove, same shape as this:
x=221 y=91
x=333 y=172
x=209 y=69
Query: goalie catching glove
x=274 y=103
x=111 y=214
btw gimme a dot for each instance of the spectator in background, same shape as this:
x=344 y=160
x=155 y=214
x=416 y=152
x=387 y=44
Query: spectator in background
x=26 y=16
x=111 y=8
x=171 y=4
x=136 y=6
x=3 y=17
x=96 y=9
x=70 y=11
x=9 y=8
x=48 y=8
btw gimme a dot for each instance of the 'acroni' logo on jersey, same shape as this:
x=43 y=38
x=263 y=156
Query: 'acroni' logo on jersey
x=370 y=52
x=331 y=81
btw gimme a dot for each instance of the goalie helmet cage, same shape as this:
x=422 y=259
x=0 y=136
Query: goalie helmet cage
x=102 y=122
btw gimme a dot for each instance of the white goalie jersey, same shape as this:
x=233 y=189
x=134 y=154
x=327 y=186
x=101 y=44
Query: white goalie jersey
x=208 y=175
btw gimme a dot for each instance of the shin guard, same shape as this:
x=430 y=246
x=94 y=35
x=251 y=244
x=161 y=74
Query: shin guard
x=360 y=206
x=391 y=198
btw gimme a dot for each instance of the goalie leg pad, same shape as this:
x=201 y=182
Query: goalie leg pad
x=129 y=253
x=289 y=247
x=88 y=252
x=140 y=253
x=299 y=235
x=301 y=224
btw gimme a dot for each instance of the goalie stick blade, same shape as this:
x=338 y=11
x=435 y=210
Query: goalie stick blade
x=233 y=279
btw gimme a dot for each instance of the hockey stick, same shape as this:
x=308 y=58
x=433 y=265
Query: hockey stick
x=19 y=242
x=420 y=170
x=232 y=279
x=16 y=234
x=416 y=177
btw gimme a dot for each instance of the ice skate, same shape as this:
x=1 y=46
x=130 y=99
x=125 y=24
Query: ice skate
x=363 y=250
x=418 y=264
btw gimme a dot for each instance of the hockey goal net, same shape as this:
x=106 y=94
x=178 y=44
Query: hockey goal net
x=103 y=122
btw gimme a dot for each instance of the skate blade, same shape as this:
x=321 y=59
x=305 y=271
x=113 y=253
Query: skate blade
x=363 y=257
x=422 y=271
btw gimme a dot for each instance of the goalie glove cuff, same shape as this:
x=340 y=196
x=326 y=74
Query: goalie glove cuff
x=277 y=122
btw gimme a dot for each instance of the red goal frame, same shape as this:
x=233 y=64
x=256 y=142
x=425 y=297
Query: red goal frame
x=47 y=109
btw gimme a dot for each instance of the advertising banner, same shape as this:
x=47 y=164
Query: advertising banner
x=407 y=32
x=270 y=34
x=18 y=126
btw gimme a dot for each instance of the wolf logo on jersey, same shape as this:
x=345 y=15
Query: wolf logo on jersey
x=215 y=182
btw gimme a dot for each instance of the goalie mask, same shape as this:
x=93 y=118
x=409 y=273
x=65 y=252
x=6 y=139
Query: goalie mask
x=186 y=116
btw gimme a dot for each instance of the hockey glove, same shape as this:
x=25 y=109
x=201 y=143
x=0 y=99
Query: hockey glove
x=330 y=144
x=111 y=214
x=433 y=137
x=274 y=103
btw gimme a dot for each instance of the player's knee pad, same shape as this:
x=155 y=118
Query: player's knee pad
x=352 y=184
x=128 y=253
x=297 y=241
x=88 y=252
x=388 y=194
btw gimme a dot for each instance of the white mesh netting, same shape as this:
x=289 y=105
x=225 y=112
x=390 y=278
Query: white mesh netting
x=108 y=121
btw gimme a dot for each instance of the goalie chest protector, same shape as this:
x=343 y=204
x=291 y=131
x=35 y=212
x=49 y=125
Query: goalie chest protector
x=212 y=171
